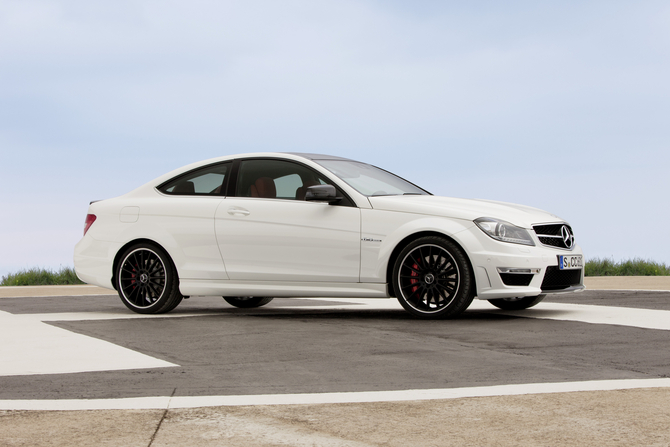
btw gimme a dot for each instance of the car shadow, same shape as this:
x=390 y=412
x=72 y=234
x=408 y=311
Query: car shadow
x=313 y=312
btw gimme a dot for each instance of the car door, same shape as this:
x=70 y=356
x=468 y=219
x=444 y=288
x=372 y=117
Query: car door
x=268 y=232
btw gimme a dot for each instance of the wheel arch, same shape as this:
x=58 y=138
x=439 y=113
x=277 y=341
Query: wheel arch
x=408 y=240
x=117 y=257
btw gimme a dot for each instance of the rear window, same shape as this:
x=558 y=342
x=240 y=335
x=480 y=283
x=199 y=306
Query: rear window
x=210 y=180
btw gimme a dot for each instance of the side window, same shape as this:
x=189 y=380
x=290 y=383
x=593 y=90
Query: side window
x=275 y=179
x=209 y=180
x=287 y=186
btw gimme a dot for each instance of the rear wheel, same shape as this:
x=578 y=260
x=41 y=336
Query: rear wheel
x=432 y=278
x=247 y=302
x=147 y=280
x=517 y=303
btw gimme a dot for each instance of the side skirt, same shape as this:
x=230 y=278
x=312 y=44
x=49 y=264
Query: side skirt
x=199 y=287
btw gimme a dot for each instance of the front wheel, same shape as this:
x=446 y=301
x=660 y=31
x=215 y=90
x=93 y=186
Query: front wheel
x=147 y=280
x=517 y=303
x=432 y=278
x=247 y=302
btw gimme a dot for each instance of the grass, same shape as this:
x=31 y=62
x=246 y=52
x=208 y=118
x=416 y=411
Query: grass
x=630 y=267
x=41 y=277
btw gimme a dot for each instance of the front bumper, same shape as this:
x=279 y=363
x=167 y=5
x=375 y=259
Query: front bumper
x=495 y=262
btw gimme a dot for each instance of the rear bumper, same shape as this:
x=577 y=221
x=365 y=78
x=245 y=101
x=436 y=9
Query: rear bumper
x=93 y=261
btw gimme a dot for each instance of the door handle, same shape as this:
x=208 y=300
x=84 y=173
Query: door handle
x=235 y=210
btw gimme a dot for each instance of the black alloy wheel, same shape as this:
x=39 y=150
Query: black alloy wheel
x=432 y=278
x=147 y=280
x=517 y=303
x=247 y=302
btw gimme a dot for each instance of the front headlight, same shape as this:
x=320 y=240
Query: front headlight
x=504 y=231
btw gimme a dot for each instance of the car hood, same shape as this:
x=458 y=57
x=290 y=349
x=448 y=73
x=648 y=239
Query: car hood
x=468 y=209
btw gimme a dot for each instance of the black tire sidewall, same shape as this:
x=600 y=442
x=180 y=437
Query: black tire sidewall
x=465 y=292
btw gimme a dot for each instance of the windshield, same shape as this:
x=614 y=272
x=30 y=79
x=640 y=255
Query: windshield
x=370 y=180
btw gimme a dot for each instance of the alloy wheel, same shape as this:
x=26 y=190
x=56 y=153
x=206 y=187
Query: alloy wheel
x=429 y=278
x=142 y=278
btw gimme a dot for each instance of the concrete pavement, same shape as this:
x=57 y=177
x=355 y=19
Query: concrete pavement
x=615 y=418
x=627 y=282
x=37 y=291
x=623 y=417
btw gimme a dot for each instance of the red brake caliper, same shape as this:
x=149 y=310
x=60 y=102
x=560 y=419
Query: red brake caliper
x=414 y=281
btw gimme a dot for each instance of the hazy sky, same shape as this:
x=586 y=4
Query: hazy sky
x=560 y=105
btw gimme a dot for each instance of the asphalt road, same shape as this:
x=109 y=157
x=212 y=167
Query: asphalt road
x=310 y=346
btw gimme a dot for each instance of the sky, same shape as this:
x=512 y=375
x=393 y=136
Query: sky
x=564 y=106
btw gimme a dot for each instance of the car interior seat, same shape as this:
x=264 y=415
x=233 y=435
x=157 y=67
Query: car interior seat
x=264 y=187
x=187 y=187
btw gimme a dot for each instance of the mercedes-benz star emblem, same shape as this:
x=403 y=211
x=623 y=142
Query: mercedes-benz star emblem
x=429 y=278
x=144 y=278
x=568 y=237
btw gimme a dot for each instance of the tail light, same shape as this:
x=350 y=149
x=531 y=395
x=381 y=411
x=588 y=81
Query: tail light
x=90 y=218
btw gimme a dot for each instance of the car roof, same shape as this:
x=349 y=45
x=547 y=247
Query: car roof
x=317 y=156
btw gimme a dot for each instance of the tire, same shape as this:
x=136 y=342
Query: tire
x=517 y=303
x=432 y=278
x=247 y=302
x=147 y=280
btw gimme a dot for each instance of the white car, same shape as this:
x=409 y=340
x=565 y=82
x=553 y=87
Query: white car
x=257 y=226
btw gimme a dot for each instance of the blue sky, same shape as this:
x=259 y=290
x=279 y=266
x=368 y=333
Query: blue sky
x=560 y=105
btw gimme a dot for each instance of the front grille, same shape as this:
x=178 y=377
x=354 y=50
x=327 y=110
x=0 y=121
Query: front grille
x=557 y=279
x=516 y=279
x=552 y=235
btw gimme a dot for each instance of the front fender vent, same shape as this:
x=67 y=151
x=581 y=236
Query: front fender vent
x=516 y=279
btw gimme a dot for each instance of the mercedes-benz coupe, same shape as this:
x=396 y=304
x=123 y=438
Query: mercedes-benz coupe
x=254 y=227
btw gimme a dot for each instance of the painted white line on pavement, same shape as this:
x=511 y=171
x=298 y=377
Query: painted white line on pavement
x=586 y=313
x=96 y=316
x=164 y=402
x=583 y=313
x=129 y=403
x=28 y=346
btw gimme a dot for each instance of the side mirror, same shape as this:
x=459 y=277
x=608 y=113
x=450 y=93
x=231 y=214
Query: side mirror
x=322 y=193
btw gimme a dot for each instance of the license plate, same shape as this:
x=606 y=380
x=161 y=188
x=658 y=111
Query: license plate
x=572 y=262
